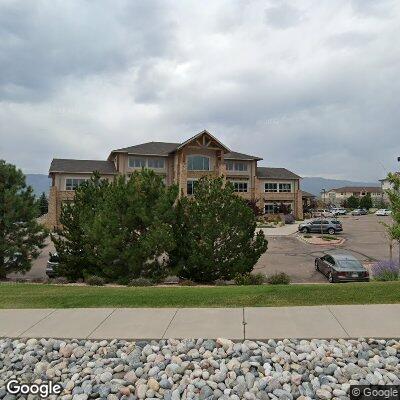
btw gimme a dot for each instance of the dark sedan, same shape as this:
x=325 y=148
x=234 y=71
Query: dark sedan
x=341 y=267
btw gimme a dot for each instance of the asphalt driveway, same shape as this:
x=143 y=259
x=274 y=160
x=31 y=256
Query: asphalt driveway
x=365 y=239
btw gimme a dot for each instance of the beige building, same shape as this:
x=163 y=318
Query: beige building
x=182 y=164
x=337 y=196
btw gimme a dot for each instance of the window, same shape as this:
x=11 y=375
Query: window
x=198 y=163
x=285 y=187
x=270 y=208
x=271 y=187
x=190 y=186
x=135 y=162
x=156 y=163
x=73 y=183
x=240 y=187
x=236 y=166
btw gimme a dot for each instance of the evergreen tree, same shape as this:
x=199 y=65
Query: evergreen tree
x=215 y=234
x=119 y=230
x=43 y=204
x=366 y=201
x=72 y=241
x=353 y=202
x=133 y=227
x=393 y=229
x=21 y=237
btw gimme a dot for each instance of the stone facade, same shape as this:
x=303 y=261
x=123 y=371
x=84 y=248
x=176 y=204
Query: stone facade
x=170 y=161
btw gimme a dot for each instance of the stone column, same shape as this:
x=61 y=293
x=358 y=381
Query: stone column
x=182 y=173
x=52 y=215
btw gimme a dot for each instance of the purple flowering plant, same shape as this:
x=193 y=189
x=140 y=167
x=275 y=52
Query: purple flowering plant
x=385 y=270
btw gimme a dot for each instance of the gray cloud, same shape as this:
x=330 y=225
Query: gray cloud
x=313 y=88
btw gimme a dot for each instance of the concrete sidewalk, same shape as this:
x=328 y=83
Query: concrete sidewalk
x=234 y=323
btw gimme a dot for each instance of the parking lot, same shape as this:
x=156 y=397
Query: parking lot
x=365 y=239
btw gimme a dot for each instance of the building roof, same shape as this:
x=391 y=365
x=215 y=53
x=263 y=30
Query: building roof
x=307 y=194
x=385 y=179
x=82 y=166
x=204 y=132
x=150 y=148
x=275 y=173
x=233 y=155
x=357 y=189
x=165 y=148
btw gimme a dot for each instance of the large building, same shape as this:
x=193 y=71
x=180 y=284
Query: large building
x=337 y=196
x=182 y=164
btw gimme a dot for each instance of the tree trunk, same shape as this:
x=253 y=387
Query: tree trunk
x=391 y=251
x=2 y=268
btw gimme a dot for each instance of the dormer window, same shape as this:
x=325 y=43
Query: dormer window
x=198 y=163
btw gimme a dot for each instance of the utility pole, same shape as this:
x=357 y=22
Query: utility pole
x=323 y=194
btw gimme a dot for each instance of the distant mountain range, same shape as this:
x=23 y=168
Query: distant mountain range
x=41 y=183
x=315 y=185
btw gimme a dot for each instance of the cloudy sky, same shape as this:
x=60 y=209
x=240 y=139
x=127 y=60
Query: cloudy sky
x=310 y=85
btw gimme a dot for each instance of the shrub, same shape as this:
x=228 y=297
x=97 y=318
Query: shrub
x=215 y=234
x=249 y=279
x=140 y=282
x=187 y=282
x=275 y=218
x=385 y=270
x=94 y=280
x=328 y=238
x=279 y=278
x=61 y=280
x=307 y=236
x=289 y=219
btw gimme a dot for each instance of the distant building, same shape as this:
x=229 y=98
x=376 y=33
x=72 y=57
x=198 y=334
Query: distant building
x=338 y=195
x=182 y=164
x=386 y=185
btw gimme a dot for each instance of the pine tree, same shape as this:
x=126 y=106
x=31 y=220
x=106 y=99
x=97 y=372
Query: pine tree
x=119 y=230
x=393 y=229
x=73 y=244
x=215 y=234
x=43 y=204
x=353 y=202
x=21 y=237
x=366 y=201
x=133 y=227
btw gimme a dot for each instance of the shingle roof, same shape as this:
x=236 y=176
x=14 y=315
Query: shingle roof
x=82 y=166
x=150 y=148
x=357 y=189
x=165 y=148
x=307 y=194
x=275 y=173
x=233 y=155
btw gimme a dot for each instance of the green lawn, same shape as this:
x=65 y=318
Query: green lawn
x=21 y=295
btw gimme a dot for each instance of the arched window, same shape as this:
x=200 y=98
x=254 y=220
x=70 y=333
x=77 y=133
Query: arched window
x=198 y=163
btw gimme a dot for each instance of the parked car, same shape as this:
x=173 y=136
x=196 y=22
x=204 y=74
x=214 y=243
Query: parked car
x=323 y=213
x=338 y=211
x=383 y=212
x=341 y=267
x=331 y=226
x=53 y=261
x=359 y=211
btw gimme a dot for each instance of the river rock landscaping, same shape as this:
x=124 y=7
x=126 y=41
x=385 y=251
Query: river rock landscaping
x=200 y=369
